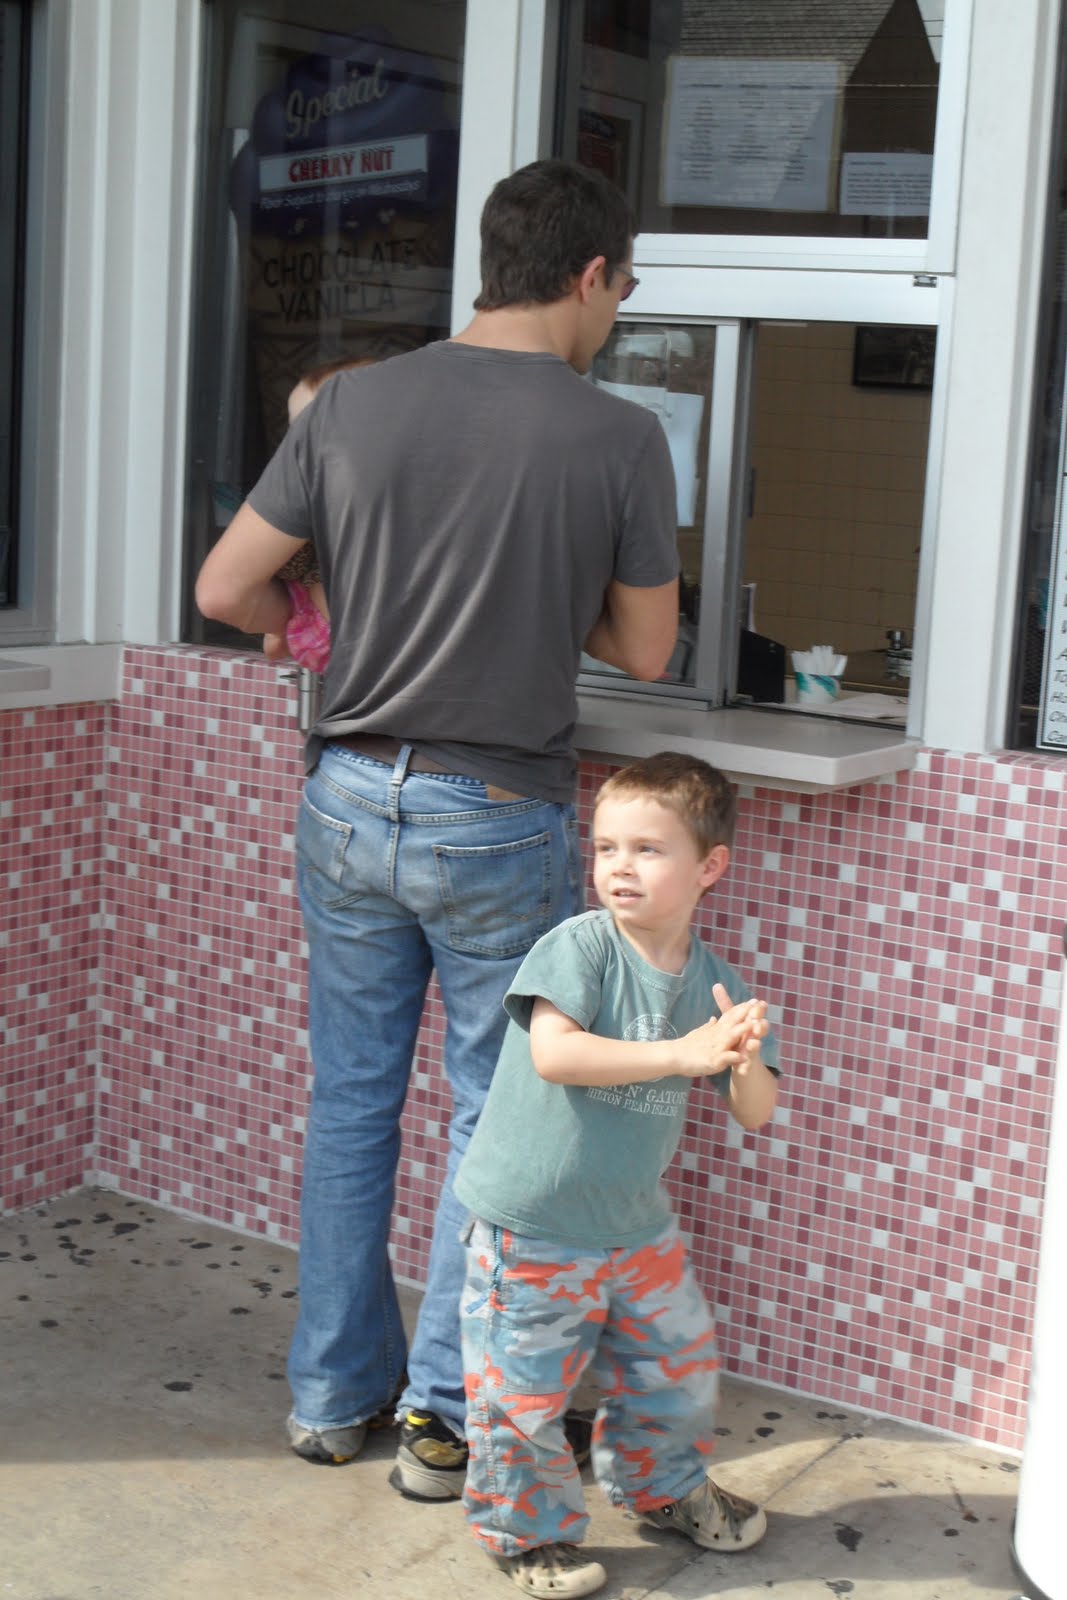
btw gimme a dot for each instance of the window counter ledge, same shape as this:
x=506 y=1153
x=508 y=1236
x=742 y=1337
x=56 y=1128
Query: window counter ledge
x=763 y=749
x=58 y=675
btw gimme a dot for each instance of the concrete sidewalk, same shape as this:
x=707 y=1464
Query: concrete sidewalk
x=142 y=1455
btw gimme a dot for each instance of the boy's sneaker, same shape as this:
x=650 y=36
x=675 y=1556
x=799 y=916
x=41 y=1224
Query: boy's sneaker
x=554 y=1571
x=330 y=1447
x=712 y=1517
x=431 y=1463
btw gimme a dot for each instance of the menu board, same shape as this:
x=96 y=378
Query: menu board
x=758 y=134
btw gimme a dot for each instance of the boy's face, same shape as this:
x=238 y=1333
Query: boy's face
x=647 y=868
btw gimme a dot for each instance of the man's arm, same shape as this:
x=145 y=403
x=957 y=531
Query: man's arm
x=237 y=583
x=636 y=629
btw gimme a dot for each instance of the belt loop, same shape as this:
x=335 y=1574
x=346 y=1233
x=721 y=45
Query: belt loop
x=400 y=772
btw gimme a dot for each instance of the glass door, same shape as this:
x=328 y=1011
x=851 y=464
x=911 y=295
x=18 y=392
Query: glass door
x=693 y=377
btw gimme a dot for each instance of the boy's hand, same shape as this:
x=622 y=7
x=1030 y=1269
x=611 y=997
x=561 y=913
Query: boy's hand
x=729 y=1040
x=749 y=1044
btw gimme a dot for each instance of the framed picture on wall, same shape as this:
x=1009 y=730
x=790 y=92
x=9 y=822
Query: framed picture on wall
x=894 y=358
x=609 y=139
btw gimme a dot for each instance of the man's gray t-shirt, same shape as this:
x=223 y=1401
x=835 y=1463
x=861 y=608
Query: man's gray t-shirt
x=584 y=1165
x=469 y=508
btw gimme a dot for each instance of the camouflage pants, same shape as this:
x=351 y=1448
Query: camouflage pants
x=537 y=1317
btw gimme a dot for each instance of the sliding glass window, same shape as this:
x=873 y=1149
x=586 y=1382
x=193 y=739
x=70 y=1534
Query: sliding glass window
x=14 y=96
x=770 y=118
x=327 y=212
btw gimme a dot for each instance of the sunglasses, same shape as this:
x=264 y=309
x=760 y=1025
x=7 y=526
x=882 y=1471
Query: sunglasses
x=631 y=285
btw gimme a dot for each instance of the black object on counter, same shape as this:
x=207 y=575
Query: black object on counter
x=761 y=667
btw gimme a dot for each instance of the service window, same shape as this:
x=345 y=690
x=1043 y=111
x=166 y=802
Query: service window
x=797 y=397
x=327 y=211
x=800 y=452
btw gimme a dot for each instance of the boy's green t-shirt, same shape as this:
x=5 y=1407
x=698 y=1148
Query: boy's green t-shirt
x=584 y=1165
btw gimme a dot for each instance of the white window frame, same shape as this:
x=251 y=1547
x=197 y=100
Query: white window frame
x=936 y=253
x=113 y=147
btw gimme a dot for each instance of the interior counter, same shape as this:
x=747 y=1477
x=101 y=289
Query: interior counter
x=756 y=746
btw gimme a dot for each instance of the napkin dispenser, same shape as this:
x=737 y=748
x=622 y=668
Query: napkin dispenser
x=760 y=667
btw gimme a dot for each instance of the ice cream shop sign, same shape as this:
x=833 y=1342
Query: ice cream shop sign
x=397 y=158
x=343 y=190
x=370 y=127
x=303 y=111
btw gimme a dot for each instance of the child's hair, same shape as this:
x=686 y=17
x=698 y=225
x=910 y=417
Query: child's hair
x=315 y=377
x=303 y=567
x=699 y=794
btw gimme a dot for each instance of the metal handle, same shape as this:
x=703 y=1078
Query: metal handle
x=308 y=695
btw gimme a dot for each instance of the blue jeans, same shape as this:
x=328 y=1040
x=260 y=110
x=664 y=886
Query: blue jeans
x=401 y=874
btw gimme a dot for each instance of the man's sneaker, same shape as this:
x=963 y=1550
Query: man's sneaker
x=333 y=1447
x=330 y=1447
x=554 y=1571
x=712 y=1517
x=431 y=1463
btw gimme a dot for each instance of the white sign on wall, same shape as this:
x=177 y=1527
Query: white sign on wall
x=886 y=184
x=756 y=134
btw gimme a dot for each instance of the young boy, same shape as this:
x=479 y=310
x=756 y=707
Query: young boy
x=574 y=1261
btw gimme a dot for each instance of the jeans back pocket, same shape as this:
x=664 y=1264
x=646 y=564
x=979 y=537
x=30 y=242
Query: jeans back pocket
x=321 y=845
x=497 y=898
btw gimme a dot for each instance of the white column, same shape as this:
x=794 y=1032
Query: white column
x=503 y=84
x=127 y=231
x=989 y=378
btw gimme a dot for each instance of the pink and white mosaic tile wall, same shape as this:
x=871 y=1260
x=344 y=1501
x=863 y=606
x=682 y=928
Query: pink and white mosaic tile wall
x=875 y=1246
x=51 y=852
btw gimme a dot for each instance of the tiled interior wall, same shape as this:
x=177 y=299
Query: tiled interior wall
x=833 y=543
x=51 y=854
x=876 y=1245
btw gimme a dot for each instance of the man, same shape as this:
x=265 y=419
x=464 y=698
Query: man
x=480 y=514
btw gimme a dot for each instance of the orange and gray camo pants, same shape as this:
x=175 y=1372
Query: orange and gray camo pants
x=537 y=1317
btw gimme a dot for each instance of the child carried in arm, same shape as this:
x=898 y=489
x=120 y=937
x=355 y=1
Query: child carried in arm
x=306 y=639
x=575 y=1266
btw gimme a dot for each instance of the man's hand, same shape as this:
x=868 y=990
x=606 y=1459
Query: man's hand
x=276 y=647
x=636 y=629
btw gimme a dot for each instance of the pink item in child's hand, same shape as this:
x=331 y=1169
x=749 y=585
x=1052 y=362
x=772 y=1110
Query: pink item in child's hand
x=308 y=632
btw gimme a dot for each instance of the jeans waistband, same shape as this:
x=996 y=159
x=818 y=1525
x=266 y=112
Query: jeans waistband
x=381 y=747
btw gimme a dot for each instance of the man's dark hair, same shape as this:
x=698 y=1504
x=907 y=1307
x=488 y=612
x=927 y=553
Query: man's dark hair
x=542 y=226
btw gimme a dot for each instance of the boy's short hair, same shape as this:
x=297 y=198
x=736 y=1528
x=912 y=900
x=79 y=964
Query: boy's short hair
x=542 y=225
x=702 y=796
